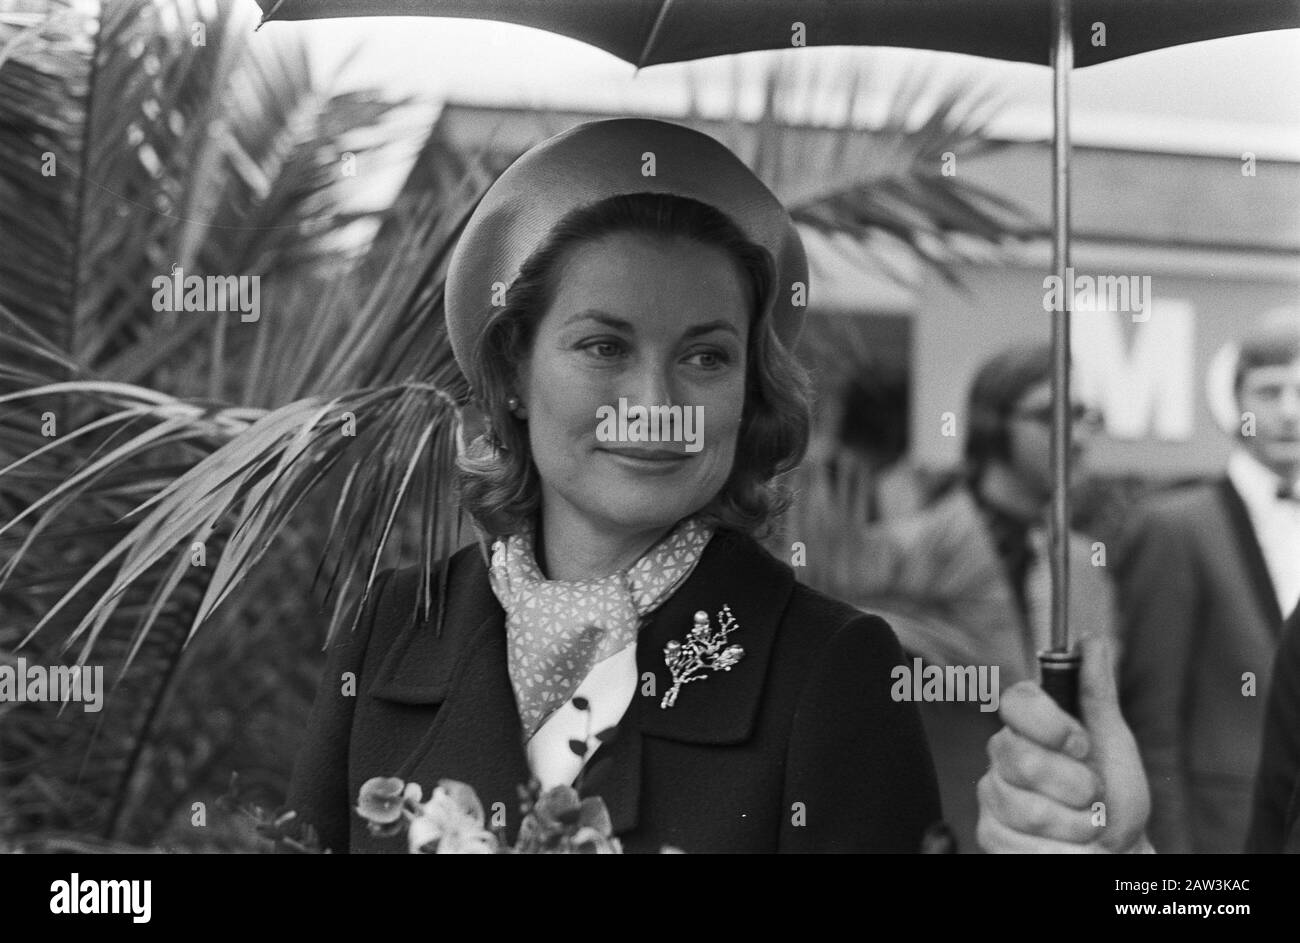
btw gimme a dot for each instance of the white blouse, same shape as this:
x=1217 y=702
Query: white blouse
x=608 y=689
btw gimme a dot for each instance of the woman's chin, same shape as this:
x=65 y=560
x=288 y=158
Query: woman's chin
x=649 y=510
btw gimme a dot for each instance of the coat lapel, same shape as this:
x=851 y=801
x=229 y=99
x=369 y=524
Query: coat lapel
x=1251 y=554
x=734 y=571
x=614 y=772
x=476 y=737
x=461 y=681
x=721 y=709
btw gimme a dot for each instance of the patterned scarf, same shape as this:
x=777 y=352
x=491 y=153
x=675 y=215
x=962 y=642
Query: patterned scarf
x=558 y=630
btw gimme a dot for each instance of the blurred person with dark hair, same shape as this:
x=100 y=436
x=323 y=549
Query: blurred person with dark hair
x=872 y=440
x=965 y=582
x=1206 y=574
x=873 y=415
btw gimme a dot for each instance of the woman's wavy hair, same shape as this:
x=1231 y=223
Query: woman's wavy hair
x=497 y=480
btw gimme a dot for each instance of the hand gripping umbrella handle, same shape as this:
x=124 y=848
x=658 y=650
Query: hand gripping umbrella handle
x=1060 y=672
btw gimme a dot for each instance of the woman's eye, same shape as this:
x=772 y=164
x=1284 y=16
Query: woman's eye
x=709 y=359
x=603 y=350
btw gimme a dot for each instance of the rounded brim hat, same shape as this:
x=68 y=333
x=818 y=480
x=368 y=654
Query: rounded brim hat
x=601 y=159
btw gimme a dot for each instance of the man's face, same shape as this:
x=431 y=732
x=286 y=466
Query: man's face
x=1269 y=401
x=1029 y=431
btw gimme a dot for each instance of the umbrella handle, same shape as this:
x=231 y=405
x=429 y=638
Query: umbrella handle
x=1060 y=672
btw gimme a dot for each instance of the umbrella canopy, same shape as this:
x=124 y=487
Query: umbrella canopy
x=649 y=32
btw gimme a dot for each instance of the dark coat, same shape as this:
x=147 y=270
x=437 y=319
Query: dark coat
x=1199 y=611
x=1275 y=822
x=798 y=748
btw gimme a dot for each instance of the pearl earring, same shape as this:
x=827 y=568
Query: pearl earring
x=512 y=403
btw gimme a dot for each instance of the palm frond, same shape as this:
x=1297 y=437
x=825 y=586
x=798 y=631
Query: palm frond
x=223 y=157
x=887 y=178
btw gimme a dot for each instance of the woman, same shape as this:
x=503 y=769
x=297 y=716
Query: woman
x=622 y=265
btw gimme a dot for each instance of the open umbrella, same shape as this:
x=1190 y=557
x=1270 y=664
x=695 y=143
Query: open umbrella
x=1063 y=33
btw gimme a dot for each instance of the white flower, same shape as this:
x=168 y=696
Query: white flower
x=451 y=822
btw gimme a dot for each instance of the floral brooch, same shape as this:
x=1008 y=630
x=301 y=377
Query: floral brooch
x=704 y=650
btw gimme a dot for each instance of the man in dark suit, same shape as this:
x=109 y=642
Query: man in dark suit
x=1205 y=576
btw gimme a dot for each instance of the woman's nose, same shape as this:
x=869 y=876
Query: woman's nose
x=652 y=386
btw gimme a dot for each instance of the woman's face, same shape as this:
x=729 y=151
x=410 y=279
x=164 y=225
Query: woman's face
x=637 y=321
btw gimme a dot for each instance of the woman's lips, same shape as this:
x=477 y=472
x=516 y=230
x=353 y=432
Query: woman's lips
x=653 y=454
x=660 y=461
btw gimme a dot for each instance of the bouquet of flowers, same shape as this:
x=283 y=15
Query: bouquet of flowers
x=451 y=820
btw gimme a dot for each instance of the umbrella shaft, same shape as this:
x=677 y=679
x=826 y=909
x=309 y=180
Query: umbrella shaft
x=1062 y=433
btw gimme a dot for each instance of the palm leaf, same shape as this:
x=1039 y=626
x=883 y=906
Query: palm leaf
x=887 y=178
x=220 y=157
